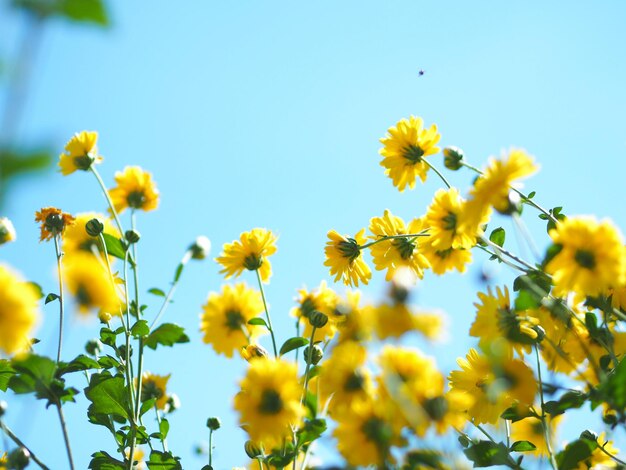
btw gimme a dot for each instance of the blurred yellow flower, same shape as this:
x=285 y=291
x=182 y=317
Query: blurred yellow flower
x=599 y=460
x=322 y=299
x=397 y=253
x=269 y=401
x=250 y=252
x=155 y=386
x=80 y=153
x=19 y=311
x=443 y=221
x=225 y=317
x=592 y=258
x=53 y=222
x=7 y=231
x=405 y=147
x=531 y=429
x=344 y=257
x=76 y=238
x=358 y=321
x=91 y=285
x=442 y=261
x=135 y=189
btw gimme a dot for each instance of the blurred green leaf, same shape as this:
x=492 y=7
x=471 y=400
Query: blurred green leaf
x=108 y=396
x=156 y=291
x=258 y=321
x=167 y=334
x=523 y=446
x=51 y=297
x=163 y=461
x=576 y=452
x=569 y=400
x=81 y=11
x=103 y=461
x=487 y=453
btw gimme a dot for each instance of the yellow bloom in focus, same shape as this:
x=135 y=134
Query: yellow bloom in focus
x=494 y=384
x=249 y=252
x=76 y=238
x=19 y=311
x=592 y=258
x=155 y=386
x=599 y=460
x=443 y=221
x=90 y=284
x=7 y=231
x=500 y=327
x=322 y=300
x=344 y=257
x=80 y=153
x=53 y=222
x=225 y=317
x=405 y=147
x=495 y=184
x=531 y=429
x=269 y=401
x=442 y=261
x=397 y=253
x=135 y=189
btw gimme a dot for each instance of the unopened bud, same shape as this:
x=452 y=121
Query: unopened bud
x=589 y=435
x=252 y=450
x=94 y=227
x=94 y=347
x=200 y=248
x=512 y=204
x=18 y=459
x=313 y=355
x=213 y=423
x=318 y=319
x=132 y=236
x=7 y=231
x=452 y=157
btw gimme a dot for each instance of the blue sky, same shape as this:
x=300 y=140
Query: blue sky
x=269 y=114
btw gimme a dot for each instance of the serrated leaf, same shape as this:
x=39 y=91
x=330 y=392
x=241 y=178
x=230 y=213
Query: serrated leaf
x=167 y=334
x=258 y=321
x=523 y=446
x=293 y=343
x=498 y=236
x=140 y=329
x=51 y=297
x=156 y=291
x=108 y=395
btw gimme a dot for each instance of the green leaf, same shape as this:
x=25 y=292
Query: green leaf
x=576 y=452
x=115 y=246
x=108 y=336
x=516 y=413
x=179 y=271
x=51 y=298
x=293 y=343
x=163 y=461
x=487 y=453
x=108 y=395
x=156 y=291
x=591 y=322
x=551 y=252
x=109 y=362
x=6 y=372
x=79 y=363
x=613 y=388
x=103 y=461
x=164 y=427
x=167 y=334
x=569 y=400
x=85 y=11
x=523 y=446
x=140 y=329
x=37 y=374
x=13 y=162
x=525 y=301
x=312 y=429
x=258 y=321
x=498 y=236
x=531 y=195
x=37 y=289
x=424 y=459
x=314 y=371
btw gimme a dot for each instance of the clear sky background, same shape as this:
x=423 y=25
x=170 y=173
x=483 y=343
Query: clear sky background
x=269 y=114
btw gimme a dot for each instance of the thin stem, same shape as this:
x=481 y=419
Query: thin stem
x=308 y=365
x=17 y=440
x=519 y=223
x=163 y=438
x=127 y=365
x=507 y=427
x=267 y=313
x=515 y=258
x=507 y=262
x=618 y=460
x=432 y=167
x=59 y=255
x=546 y=431
x=211 y=447
x=392 y=237
x=170 y=293
x=66 y=436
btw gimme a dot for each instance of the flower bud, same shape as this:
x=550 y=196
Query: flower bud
x=94 y=227
x=318 y=319
x=94 y=347
x=254 y=351
x=132 y=236
x=589 y=435
x=200 y=248
x=173 y=403
x=313 y=355
x=7 y=231
x=452 y=157
x=18 y=459
x=4 y=406
x=252 y=450
x=213 y=423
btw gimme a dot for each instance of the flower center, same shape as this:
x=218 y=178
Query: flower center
x=449 y=221
x=150 y=390
x=54 y=223
x=136 y=199
x=443 y=254
x=436 y=407
x=83 y=162
x=354 y=382
x=234 y=320
x=82 y=296
x=413 y=153
x=585 y=259
x=376 y=430
x=404 y=246
x=271 y=403
x=252 y=262
x=349 y=249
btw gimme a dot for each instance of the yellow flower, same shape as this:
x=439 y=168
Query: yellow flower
x=618 y=297
x=90 y=284
x=76 y=238
x=249 y=252
x=599 y=460
x=323 y=300
x=253 y=351
x=442 y=261
x=357 y=324
x=7 y=231
x=531 y=429
x=18 y=311
x=53 y=222
x=155 y=386
x=138 y=457
x=135 y=189
x=493 y=383
x=394 y=320
x=345 y=377
x=405 y=147
x=443 y=219
x=494 y=185
x=592 y=258
x=269 y=401
x=397 y=253
x=225 y=317
x=80 y=153
x=561 y=347
x=499 y=326
x=344 y=257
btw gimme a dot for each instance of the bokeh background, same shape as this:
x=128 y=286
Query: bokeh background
x=269 y=114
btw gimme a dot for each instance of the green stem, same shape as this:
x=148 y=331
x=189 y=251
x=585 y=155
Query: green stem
x=170 y=293
x=443 y=178
x=507 y=262
x=211 y=447
x=59 y=255
x=163 y=438
x=17 y=440
x=515 y=258
x=392 y=237
x=546 y=431
x=267 y=313
x=603 y=450
x=308 y=366
x=105 y=191
x=66 y=436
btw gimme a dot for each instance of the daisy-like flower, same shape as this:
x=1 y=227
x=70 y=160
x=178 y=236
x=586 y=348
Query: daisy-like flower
x=322 y=299
x=344 y=257
x=18 y=312
x=499 y=326
x=443 y=219
x=76 y=239
x=135 y=189
x=155 y=386
x=405 y=147
x=53 y=222
x=494 y=384
x=449 y=259
x=592 y=258
x=531 y=429
x=80 y=153
x=250 y=252
x=7 y=231
x=397 y=253
x=90 y=284
x=269 y=401
x=225 y=317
